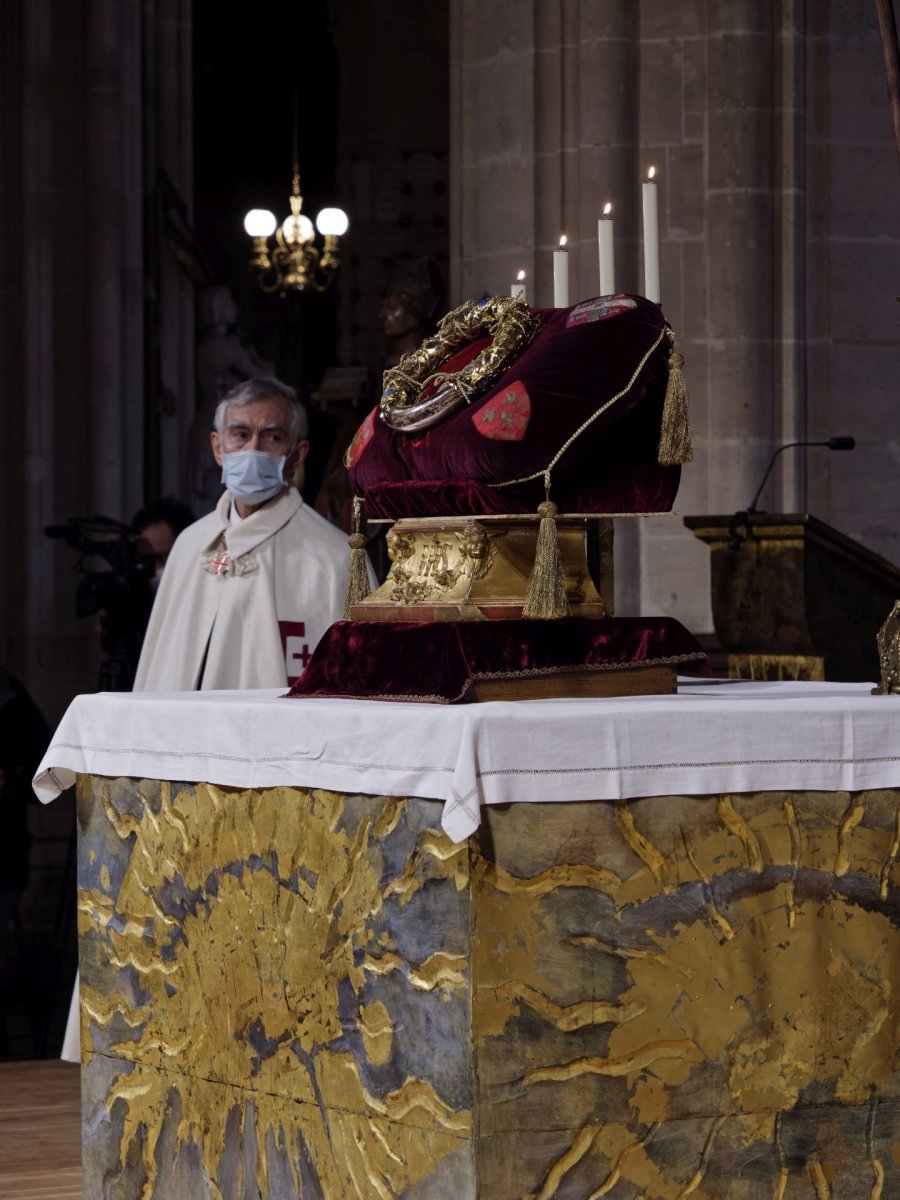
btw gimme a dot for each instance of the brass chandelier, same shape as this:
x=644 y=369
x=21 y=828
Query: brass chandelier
x=294 y=262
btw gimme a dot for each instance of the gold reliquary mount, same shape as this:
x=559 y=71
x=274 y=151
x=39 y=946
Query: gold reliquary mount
x=467 y=568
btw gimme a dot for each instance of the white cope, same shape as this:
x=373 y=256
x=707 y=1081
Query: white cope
x=244 y=605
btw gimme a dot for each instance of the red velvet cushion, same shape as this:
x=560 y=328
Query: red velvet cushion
x=439 y=660
x=589 y=389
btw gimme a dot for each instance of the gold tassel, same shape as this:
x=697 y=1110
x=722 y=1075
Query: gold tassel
x=547 y=587
x=675 y=431
x=357 y=574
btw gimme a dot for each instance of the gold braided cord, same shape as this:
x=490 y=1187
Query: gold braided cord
x=512 y=325
x=357 y=571
x=675 y=431
x=544 y=471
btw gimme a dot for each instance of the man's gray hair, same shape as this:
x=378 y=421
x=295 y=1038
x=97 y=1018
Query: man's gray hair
x=252 y=390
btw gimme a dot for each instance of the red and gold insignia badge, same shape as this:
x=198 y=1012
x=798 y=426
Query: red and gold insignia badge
x=506 y=415
x=361 y=439
x=599 y=309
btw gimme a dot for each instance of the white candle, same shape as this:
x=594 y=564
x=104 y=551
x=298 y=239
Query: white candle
x=518 y=290
x=561 y=275
x=651 y=237
x=607 y=253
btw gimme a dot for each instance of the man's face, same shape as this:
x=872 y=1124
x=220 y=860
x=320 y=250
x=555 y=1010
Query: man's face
x=155 y=542
x=260 y=425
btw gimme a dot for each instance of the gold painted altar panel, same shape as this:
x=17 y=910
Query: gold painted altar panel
x=296 y=993
x=689 y=996
x=272 y=969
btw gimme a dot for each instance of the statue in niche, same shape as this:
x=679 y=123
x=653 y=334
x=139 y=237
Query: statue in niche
x=222 y=361
x=411 y=306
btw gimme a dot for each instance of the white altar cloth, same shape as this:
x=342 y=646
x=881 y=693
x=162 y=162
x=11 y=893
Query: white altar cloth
x=714 y=736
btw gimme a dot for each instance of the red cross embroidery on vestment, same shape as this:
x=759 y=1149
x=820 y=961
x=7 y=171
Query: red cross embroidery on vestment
x=296 y=649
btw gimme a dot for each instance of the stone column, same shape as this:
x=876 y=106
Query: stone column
x=108 y=233
x=51 y=649
x=75 y=173
x=709 y=95
x=673 y=81
x=494 y=107
x=853 y=269
x=543 y=117
x=739 y=261
x=12 y=478
x=790 y=253
x=168 y=131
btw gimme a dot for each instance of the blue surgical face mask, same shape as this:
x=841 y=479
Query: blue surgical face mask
x=253 y=476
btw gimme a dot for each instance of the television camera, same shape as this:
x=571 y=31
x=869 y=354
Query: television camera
x=115 y=587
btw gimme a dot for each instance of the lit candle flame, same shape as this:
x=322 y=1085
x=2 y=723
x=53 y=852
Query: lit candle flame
x=562 y=242
x=607 y=210
x=520 y=278
x=651 y=174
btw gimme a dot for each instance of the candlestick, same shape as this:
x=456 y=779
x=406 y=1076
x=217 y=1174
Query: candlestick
x=651 y=237
x=518 y=291
x=607 y=252
x=561 y=275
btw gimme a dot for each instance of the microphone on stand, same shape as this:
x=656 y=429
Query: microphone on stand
x=739 y=526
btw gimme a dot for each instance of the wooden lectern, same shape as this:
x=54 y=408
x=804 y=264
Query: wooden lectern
x=797 y=599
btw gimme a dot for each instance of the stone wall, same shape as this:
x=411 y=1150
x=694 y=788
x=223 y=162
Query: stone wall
x=392 y=152
x=770 y=131
x=853 y=207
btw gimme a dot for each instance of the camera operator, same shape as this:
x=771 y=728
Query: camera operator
x=121 y=566
x=157 y=527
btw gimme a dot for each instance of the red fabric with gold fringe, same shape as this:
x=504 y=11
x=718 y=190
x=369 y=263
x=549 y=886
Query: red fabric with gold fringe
x=439 y=661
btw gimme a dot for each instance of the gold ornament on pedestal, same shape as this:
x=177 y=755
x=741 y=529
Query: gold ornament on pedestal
x=463 y=569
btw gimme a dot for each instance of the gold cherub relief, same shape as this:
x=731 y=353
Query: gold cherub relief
x=427 y=566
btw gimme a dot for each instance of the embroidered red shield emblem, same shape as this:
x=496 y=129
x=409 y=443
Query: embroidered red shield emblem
x=505 y=417
x=599 y=309
x=361 y=439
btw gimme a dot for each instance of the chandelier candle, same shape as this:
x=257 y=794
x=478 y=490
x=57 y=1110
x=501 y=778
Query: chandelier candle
x=607 y=252
x=651 y=237
x=561 y=275
x=518 y=291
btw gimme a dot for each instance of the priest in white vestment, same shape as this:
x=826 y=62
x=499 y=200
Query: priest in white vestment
x=249 y=589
